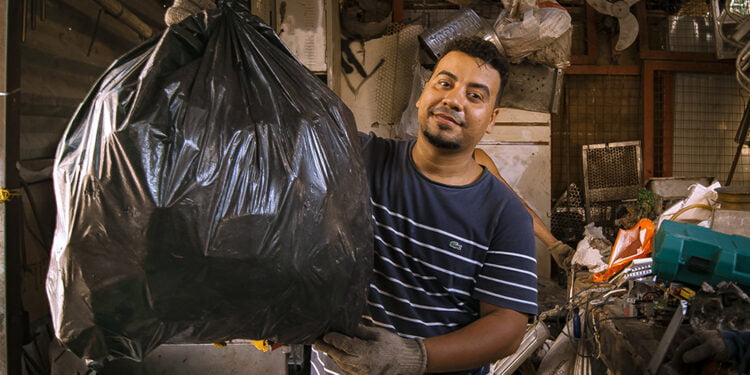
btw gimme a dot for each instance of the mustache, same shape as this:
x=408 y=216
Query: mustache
x=456 y=116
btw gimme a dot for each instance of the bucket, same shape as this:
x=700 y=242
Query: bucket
x=465 y=23
x=734 y=198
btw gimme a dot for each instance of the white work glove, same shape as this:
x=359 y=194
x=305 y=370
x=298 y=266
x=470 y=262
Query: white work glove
x=375 y=351
x=182 y=9
x=562 y=254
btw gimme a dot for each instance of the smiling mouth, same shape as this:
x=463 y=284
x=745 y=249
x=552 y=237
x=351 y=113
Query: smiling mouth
x=446 y=120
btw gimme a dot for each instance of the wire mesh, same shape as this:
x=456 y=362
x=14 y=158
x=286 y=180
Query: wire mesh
x=579 y=41
x=680 y=26
x=594 y=109
x=612 y=171
x=395 y=80
x=659 y=79
x=690 y=34
x=707 y=112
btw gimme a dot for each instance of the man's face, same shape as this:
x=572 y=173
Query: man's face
x=457 y=105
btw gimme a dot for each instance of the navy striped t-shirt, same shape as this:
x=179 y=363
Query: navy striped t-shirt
x=440 y=249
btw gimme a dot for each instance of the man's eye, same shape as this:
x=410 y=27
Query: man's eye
x=444 y=83
x=475 y=96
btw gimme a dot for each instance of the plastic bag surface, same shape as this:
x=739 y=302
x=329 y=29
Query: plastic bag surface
x=535 y=31
x=209 y=188
x=634 y=243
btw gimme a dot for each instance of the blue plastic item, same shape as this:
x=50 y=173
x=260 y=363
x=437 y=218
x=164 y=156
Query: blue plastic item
x=692 y=254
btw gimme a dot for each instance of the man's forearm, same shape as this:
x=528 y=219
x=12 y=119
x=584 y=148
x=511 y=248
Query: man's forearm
x=493 y=336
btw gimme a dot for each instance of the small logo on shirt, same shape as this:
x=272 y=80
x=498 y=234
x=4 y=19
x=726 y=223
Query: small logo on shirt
x=455 y=245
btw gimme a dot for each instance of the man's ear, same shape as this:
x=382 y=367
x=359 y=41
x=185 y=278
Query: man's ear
x=495 y=112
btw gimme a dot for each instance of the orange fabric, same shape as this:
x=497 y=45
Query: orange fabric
x=633 y=243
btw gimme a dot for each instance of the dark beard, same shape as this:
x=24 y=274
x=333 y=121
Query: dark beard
x=439 y=142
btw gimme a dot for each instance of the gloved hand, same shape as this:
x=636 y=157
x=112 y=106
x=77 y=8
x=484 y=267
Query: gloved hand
x=562 y=254
x=375 y=351
x=182 y=9
x=702 y=345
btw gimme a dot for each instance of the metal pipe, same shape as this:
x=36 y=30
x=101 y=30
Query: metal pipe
x=603 y=299
x=25 y=6
x=534 y=338
x=740 y=138
x=582 y=364
x=116 y=9
x=666 y=339
x=561 y=356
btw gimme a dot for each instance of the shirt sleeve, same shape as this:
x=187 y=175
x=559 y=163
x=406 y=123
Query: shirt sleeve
x=508 y=276
x=738 y=344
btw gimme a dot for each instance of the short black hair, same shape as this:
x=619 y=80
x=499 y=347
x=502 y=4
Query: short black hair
x=479 y=48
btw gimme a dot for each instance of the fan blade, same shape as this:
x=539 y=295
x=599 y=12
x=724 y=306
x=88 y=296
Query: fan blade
x=620 y=9
x=601 y=6
x=628 y=31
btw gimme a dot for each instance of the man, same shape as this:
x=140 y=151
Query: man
x=454 y=278
x=455 y=271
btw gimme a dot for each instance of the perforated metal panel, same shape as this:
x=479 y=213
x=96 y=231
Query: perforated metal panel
x=568 y=217
x=612 y=171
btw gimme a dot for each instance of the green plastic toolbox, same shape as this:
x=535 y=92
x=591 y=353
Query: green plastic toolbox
x=692 y=254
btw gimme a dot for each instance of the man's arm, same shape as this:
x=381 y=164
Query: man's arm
x=374 y=350
x=496 y=334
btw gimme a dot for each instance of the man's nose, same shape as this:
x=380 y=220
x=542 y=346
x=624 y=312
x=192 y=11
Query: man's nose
x=452 y=100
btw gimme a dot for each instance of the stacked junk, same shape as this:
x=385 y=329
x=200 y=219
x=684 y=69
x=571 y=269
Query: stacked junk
x=176 y=202
x=201 y=199
x=672 y=255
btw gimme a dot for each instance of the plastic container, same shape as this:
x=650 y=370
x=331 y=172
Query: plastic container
x=692 y=254
x=734 y=197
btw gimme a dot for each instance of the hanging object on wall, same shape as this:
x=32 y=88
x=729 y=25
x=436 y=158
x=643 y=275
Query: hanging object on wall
x=365 y=19
x=29 y=10
x=619 y=9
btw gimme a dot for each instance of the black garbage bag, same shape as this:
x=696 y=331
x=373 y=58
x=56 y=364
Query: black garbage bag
x=209 y=188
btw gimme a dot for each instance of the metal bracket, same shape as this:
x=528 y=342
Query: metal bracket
x=666 y=340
